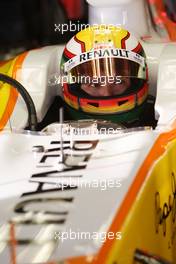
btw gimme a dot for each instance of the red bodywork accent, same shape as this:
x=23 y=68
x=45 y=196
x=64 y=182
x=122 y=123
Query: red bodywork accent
x=73 y=8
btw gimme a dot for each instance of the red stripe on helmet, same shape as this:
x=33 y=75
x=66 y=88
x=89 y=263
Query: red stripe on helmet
x=83 y=47
x=138 y=48
x=68 y=54
x=107 y=103
x=123 y=44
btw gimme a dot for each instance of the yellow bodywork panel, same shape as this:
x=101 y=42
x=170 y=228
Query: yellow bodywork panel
x=7 y=69
x=150 y=225
x=8 y=94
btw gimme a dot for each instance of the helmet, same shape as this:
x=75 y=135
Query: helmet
x=105 y=74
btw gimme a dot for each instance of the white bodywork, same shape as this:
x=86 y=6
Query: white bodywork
x=166 y=87
x=115 y=157
x=120 y=13
x=39 y=67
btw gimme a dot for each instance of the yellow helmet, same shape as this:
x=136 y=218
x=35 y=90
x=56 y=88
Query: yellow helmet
x=106 y=73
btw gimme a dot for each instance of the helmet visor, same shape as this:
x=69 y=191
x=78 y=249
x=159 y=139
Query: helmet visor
x=103 y=75
x=107 y=62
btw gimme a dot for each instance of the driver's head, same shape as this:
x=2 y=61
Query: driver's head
x=105 y=83
x=106 y=73
x=106 y=89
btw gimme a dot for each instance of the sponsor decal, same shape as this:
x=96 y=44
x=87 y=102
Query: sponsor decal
x=103 y=53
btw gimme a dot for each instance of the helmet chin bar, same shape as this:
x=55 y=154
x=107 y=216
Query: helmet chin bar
x=124 y=13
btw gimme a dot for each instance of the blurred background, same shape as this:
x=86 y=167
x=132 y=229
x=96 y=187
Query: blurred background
x=31 y=24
